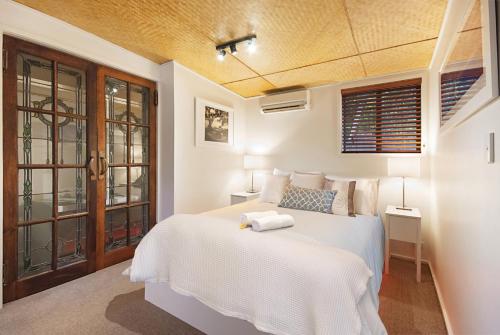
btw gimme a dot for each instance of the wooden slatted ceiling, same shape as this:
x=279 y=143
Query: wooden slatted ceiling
x=300 y=42
x=383 y=118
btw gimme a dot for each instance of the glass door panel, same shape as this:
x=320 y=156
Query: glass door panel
x=34 y=82
x=72 y=241
x=34 y=249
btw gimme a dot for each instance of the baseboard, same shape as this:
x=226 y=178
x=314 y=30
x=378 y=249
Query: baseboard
x=407 y=258
x=436 y=285
x=447 y=323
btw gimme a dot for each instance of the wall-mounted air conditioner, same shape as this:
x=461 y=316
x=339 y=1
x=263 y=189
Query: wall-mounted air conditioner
x=293 y=101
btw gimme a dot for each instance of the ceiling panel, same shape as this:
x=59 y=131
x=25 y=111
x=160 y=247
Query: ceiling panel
x=250 y=87
x=298 y=42
x=399 y=59
x=386 y=23
x=334 y=71
x=468 y=47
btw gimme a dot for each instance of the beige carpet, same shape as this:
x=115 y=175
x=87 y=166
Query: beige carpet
x=106 y=303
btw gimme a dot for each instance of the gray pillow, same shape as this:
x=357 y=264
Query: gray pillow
x=308 y=199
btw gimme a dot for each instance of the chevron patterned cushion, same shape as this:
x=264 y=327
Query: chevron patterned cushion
x=308 y=199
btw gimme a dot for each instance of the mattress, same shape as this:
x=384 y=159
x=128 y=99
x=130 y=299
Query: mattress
x=362 y=235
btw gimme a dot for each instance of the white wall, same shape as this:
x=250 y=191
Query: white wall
x=165 y=129
x=465 y=193
x=204 y=177
x=25 y=23
x=311 y=141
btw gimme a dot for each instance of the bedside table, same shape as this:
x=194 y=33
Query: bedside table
x=239 y=197
x=403 y=225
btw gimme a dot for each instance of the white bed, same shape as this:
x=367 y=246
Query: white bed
x=238 y=282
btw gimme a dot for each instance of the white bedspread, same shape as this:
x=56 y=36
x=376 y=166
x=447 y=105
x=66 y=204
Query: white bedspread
x=284 y=281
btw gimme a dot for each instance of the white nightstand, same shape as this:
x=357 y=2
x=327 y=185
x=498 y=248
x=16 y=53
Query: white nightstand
x=403 y=225
x=239 y=197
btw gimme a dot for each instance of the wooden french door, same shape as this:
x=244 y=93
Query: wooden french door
x=49 y=172
x=126 y=127
x=79 y=165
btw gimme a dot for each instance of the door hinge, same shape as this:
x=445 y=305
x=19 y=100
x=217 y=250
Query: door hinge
x=156 y=98
x=5 y=56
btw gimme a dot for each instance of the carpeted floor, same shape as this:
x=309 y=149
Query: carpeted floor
x=107 y=303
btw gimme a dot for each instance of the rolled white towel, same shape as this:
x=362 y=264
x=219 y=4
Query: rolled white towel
x=272 y=222
x=246 y=218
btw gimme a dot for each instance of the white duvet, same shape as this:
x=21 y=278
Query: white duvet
x=283 y=281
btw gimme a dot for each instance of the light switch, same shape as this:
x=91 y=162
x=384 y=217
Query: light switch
x=490 y=148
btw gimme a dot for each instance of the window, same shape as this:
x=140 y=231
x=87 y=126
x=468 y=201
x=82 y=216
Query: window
x=383 y=118
x=456 y=91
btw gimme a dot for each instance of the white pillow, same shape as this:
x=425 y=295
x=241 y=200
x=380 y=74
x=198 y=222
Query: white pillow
x=273 y=188
x=278 y=172
x=343 y=202
x=308 y=180
x=365 y=194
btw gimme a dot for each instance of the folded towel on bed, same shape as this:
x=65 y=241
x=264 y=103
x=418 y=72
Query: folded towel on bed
x=246 y=218
x=272 y=222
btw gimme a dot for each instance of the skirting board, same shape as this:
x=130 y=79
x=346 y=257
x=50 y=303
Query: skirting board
x=447 y=323
x=195 y=313
x=436 y=285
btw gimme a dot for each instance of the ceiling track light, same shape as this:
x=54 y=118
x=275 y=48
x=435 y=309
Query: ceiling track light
x=232 y=47
x=251 y=46
x=220 y=54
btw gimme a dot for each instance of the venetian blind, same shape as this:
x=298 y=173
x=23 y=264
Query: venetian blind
x=383 y=118
x=455 y=87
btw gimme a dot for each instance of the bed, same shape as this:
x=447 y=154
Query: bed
x=321 y=276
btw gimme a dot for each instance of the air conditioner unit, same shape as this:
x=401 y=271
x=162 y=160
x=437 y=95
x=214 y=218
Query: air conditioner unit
x=293 y=101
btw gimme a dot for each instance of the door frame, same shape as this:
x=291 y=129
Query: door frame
x=103 y=258
x=14 y=288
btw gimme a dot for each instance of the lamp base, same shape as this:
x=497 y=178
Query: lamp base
x=252 y=191
x=404 y=208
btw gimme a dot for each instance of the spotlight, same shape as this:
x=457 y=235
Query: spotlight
x=250 y=41
x=220 y=54
x=252 y=45
x=232 y=47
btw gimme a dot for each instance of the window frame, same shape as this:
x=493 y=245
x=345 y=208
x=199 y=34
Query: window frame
x=381 y=82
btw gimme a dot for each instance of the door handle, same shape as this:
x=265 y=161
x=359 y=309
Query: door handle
x=92 y=166
x=103 y=165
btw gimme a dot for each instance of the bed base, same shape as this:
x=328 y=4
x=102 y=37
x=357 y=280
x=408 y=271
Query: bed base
x=195 y=313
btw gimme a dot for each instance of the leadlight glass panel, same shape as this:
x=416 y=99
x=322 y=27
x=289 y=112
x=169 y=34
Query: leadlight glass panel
x=72 y=193
x=116 y=229
x=139 y=221
x=139 y=180
x=139 y=104
x=35 y=195
x=116 y=99
x=71 y=90
x=34 y=249
x=34 y=138
x=116 y=186
x=71 y=241
x=34 y=82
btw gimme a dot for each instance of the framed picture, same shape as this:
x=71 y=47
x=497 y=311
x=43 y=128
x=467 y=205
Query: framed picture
x=214 y=124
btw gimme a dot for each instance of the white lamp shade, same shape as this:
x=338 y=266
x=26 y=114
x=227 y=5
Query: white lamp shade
x=403 y=167
x=253 y=162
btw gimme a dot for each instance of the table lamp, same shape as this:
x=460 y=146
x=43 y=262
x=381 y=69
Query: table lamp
x=403 y=167
x=253 y=162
